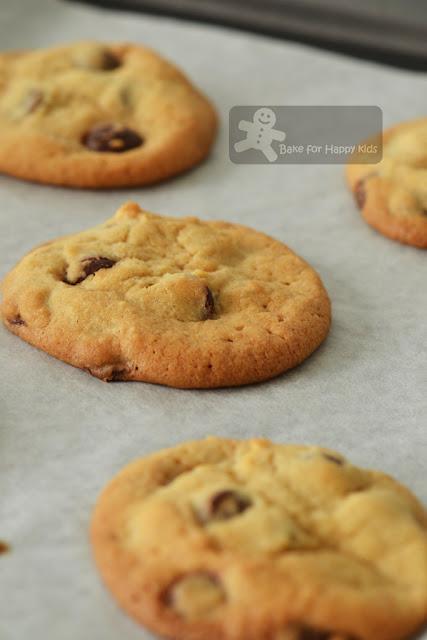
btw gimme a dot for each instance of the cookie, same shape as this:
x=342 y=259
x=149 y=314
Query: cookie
x=247 y=540
x=392 y=194
x=175 y=301
x=99 y=115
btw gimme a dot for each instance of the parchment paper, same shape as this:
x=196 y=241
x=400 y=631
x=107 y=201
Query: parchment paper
x=64 y=434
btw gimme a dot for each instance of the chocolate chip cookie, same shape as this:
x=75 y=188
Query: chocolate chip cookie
x=392 y=195
x=99 y=115
x=247 y=540
x=176 y=301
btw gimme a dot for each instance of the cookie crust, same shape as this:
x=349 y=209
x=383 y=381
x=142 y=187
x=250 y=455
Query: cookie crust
x=391 y=194
x=324 y=551
x=179 y=302
x=52 y=99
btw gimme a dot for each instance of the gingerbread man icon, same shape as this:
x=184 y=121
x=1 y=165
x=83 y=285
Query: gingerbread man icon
x=260 y=133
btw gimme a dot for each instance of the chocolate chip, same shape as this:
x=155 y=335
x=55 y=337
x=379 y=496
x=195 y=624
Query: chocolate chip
x=225 y=505
x=95 y=58
x=110 y=372
x=92 y=265
x=209 y=306
x=360 y=193
x=360 y=189
x=110 y=61
x=111 y=137
x=17 y=320
x=32 y=101
x=118 y=375
x=333 y=459
x=4 y=548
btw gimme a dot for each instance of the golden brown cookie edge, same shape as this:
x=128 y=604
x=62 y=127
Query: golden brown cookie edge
x=375 y=210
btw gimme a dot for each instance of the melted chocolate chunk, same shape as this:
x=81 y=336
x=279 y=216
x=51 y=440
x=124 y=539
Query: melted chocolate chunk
x=209 y=306
x=112 y=138
x=225 y=505
x=360 y=190
x=17 y=320
x=360 y=193
x=118 y=375
x=110 y=372
x=96 y=58
x=92 y=265
x=4 y=548
x=110 y=61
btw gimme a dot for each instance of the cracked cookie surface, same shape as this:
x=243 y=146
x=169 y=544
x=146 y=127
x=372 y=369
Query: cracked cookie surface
x=176 y=301
x=246 y=540
x=99 y=115
x=392 y=194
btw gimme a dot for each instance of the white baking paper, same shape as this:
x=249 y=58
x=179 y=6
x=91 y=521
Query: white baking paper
x=64 y=434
